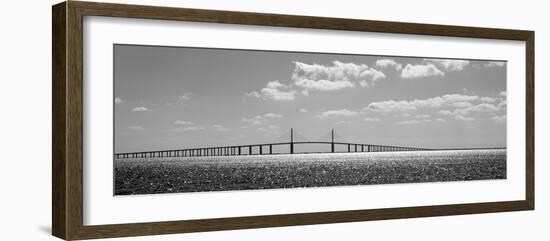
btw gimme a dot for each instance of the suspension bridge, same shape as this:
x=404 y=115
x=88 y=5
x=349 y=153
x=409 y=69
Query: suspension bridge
x=267 y=149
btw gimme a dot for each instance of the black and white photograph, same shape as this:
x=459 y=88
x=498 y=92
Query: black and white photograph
x=190 y=119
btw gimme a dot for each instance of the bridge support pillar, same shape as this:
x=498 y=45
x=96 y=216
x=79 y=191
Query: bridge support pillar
x=270 y=149
x=249 y=150
x=260 y=147
x=349 y=148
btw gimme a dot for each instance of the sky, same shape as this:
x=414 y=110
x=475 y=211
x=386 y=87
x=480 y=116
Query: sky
x=179 y=97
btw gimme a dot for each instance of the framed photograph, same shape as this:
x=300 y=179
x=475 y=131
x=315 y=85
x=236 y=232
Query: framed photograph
x=171 y=120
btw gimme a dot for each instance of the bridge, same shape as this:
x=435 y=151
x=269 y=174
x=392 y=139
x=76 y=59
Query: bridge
x=265 y=149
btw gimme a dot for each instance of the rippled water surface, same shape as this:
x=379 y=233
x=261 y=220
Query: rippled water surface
x=197 y=174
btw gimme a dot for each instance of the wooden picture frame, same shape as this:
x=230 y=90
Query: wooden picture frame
x=67 y=124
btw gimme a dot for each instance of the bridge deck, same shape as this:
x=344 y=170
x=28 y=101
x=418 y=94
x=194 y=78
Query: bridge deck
x=237 y=150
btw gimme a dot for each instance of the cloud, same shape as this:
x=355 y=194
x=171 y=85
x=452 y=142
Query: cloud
x=257 y=120
x=136 y=128
x=273 y=115
x=403 y=105
x=440 y=120
x=488 y=99
x=445 y=112
x=315 y=77
x=502 y=105
x=185 y=96
x=119 y=101
x=190 y=128
x=276 y=91
x=391 y=106
x=422 y=116
x=261 y=119
x=220 y=128
x=483 y=107
x=323 y=84
x=450 y=64
x=463 y=113
x=338 y=76
x=371 y=119
x=502 y=93
x=343 y=122
x=421 y=70
x=180 y=122
x=253 y=94
x=499 y=119
x=461 y=104
x=407 y=122
x=337 y=113
x=383 y=63
x=463 y=118
x=140 y=109
x=273 y=127
x=303 y=110
x=491 y=64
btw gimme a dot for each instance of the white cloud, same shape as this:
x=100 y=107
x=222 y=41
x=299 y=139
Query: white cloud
x=190 y=128
x=422 y=116
x=421 y=70
x=501 y=105
x=185 y=96
x=391 y=106
x=459 y=97
x=180 y=122
x=136 y=128
x=220 y=128
x=119 y=101
x=445 y=112
x=488 y=99
x=463 y=118
x=316 y=77
x=450 y=64
x=343 y=122
x=257 y=120
x=407 y=122
x=371 y=119
x=463 y=114
x=403 y=105
x=440 y=120
x=323 y=84
x=495 y=64
x=139 y=109
x=502 y=93
x=461 y=104
x=483 y=107
x=303 y=110
x=337 y=113
x=275 y=91
x=253 y=94
x=499 y=119
x=338 y=76
x=273 y=127
x=273 y=115
x=383 y=63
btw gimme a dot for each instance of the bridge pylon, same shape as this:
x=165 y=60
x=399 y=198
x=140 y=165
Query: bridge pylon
x=291 y=141
x=332 y=141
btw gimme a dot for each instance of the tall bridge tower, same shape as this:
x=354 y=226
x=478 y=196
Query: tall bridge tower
x=332 y=141
x=291 y=141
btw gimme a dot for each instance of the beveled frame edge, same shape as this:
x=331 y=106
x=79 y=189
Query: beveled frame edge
x=67 y=121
